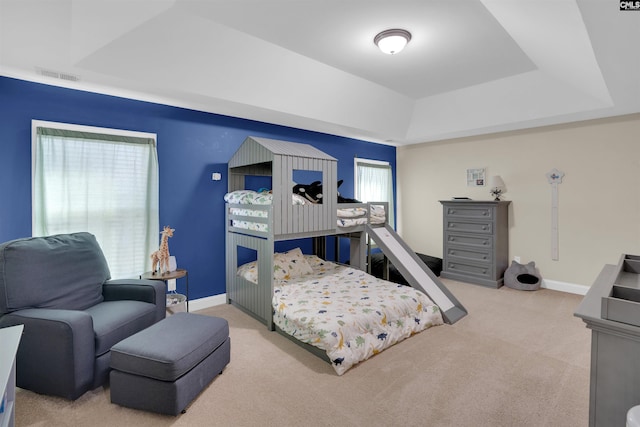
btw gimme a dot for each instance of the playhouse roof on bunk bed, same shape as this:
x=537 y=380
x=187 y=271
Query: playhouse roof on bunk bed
x=280 y=160
x=258 y=150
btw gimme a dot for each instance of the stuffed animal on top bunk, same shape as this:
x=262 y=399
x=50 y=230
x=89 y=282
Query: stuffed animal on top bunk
x=313 y=192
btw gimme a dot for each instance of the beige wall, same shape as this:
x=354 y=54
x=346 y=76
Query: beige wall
x=599 y=197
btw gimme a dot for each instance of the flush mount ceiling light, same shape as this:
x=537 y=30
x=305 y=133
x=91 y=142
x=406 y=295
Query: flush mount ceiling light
x=392 y=41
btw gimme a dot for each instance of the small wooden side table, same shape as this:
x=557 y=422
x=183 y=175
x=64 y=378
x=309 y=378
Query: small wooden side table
x=165 y=277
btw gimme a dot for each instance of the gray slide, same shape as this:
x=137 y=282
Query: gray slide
x=416 y=272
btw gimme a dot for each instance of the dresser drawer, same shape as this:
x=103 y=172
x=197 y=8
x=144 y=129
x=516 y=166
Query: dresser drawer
x=485 y=227
x=455 y=253
x=478 y=241
x=484 y=271
x=463 y=211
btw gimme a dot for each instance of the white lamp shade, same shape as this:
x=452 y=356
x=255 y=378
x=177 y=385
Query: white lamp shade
x=392 y=41
x=392 y=44
x=496 y=187
x=497 y=182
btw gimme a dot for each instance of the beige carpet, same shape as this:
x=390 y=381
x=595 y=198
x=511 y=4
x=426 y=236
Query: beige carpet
x=518 y=359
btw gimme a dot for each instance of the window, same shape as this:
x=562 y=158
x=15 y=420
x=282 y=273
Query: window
x=374 y=183
x=99 y=180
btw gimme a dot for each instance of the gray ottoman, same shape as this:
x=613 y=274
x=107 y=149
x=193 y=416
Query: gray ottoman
x=164 y=367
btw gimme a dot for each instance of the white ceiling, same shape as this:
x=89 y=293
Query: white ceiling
x=472 y=66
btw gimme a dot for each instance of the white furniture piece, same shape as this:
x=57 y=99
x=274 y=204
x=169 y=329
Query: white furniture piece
x=10 y=338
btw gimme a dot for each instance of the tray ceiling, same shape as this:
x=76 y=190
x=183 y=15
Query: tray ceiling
x=472 y=66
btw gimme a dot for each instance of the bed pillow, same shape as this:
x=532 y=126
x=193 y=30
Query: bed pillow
x=314 y=261
x=286 y=266
x=249 y=271
x=248 y=197
x=321 y=267
x=239 y=197
x=262 y=199
x=298 y=200
x=290 y=265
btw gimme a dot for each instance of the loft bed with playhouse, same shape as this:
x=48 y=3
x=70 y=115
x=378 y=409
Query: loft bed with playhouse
x=340 y=313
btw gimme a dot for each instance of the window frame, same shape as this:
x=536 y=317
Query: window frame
x=116 y=133
x=374 y=163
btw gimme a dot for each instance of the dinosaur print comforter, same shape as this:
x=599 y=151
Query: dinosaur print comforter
x=349 y=313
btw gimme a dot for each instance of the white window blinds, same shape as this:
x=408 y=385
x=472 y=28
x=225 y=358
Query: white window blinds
x=102 y=181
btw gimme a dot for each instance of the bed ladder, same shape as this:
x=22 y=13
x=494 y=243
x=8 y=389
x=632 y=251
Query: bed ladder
x=416 y=272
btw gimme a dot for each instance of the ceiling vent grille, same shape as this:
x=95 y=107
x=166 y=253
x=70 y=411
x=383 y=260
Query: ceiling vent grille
x=58 y=75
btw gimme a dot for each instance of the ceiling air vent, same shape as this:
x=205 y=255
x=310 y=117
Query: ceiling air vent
x=58 y=75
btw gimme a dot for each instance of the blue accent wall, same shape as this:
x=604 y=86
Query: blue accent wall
x=191 y=146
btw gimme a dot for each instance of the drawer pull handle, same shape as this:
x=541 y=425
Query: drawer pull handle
x=485 y=243
x=452 y=239
x=484 y=271
x=485 y=213
x=484 y=227
x=484 y=257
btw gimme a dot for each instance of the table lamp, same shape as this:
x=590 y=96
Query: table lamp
x=496 y=184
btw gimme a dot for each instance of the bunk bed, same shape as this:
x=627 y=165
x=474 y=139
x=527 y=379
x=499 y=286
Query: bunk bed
x=256 y=220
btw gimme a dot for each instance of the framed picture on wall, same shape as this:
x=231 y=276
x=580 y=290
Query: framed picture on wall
x=475 y=177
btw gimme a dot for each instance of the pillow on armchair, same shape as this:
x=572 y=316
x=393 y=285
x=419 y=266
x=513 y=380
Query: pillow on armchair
x=63 y=271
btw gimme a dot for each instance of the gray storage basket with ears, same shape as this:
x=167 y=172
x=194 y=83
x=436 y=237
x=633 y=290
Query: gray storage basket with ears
x=523 y=277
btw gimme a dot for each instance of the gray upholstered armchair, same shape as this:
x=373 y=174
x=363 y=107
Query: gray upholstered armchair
x=58 y=287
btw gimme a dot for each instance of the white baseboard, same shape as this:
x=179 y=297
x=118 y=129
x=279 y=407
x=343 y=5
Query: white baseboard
x=554 y=285
x=206 y=302
x=571 y=288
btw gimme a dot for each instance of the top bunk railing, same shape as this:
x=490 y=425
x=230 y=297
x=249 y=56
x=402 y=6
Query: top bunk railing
x=260 y=220
x=253 y=220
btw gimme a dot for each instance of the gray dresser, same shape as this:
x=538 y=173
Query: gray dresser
x=476 y=241
x=611 y=309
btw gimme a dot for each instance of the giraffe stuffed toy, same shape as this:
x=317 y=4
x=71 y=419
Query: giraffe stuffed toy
x=160 y=258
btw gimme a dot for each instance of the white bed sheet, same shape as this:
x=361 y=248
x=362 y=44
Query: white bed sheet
x=349 y=313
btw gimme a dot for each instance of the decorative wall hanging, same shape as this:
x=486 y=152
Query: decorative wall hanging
x=475 y=177
x=554 y=177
